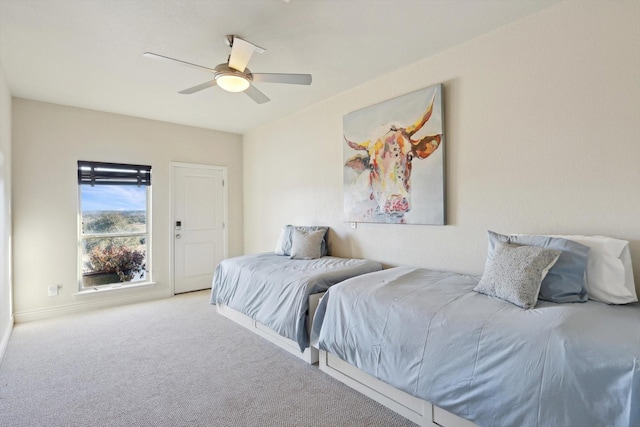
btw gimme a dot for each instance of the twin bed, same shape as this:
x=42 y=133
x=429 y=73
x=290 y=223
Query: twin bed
x=436 y=348
x=428 y=334
x=276 y=296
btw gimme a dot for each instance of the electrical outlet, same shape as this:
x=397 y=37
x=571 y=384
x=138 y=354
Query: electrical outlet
x=53 y=290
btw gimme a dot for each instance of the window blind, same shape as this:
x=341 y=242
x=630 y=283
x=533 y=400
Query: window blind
x=97 y=173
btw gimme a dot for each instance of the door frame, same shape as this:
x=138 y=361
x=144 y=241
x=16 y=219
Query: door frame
x=225 y=213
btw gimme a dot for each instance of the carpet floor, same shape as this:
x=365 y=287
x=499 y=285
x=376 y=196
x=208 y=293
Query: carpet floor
x=172 y=362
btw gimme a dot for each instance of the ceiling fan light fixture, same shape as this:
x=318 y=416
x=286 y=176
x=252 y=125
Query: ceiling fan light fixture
x=234 y=76
x=232 y=82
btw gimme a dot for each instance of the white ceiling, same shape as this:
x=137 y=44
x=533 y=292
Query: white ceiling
x=88 y=53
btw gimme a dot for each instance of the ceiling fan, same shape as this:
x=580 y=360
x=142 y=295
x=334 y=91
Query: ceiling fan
x=234 y=76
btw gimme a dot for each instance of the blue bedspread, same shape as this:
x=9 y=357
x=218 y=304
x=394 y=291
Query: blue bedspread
x=274 y=290
x=484 y=359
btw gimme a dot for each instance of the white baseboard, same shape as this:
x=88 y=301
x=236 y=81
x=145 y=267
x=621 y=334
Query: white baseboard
x=86 y=305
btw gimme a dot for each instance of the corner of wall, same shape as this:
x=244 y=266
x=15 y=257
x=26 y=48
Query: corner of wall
x=6 y=297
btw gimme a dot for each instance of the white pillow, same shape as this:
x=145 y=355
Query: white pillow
x=609 y=274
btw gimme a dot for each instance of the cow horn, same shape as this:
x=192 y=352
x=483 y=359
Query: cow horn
x=427 y=115
x=356 y=145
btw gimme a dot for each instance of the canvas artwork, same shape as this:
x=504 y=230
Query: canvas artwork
x=394 y=160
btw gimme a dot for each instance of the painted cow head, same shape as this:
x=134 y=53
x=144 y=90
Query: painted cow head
x=388 y=160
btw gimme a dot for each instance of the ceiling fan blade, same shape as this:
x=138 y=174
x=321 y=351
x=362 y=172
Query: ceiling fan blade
x=156 y=56
x=241 y=52
x=296 y=79
x=256 y=95
x=200 y=87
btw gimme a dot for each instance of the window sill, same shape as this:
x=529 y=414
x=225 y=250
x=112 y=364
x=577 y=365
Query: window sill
x=112 y=288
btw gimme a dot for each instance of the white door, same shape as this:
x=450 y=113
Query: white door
x=199 y=214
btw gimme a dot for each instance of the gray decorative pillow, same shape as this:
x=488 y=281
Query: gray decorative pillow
x=283 y=247
x=306 y=244
x=516 y=272
x=565 y=281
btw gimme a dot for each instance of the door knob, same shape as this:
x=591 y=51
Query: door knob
x=178 y=236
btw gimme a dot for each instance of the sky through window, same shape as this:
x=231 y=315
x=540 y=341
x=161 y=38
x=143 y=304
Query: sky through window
x=113 y=198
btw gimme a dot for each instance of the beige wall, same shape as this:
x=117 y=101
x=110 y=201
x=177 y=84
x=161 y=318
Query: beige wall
x=542 y=136
x=6 y=315
x=48 y=141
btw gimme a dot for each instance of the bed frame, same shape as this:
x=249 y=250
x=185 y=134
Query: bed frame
x=310 y=354
x=417 y=410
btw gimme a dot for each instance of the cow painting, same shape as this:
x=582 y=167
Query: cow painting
x=379 y=168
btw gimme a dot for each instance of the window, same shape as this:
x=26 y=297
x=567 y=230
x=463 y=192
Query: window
x=114 y=213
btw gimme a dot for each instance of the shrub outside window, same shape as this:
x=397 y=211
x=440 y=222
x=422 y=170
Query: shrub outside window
x=113 y=244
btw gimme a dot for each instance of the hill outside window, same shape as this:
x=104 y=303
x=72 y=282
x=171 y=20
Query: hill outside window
x=114 y=225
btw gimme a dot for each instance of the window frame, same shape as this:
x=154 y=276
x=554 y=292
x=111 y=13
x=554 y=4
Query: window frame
x=81 y=237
